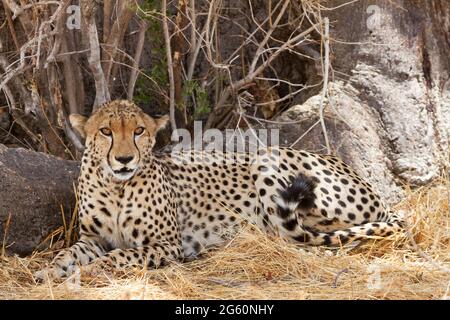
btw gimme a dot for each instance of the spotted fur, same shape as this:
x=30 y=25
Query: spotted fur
x=141 y=208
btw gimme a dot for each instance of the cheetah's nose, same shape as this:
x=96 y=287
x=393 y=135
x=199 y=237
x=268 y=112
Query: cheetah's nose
x=125 y=160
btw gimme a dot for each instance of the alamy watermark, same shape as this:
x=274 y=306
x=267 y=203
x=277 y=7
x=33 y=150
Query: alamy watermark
x=228 y=146
x=374 y=20
x=374 y=279
x=73 y=21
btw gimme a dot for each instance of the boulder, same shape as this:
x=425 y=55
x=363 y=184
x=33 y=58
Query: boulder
x=35 y=190
x=352 y=131
x=389 y=108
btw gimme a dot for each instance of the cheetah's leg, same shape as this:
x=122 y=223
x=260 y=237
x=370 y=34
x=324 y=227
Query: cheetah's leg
x=64 y=264
x=152 y=256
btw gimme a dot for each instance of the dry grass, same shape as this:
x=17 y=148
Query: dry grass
x=254 y=266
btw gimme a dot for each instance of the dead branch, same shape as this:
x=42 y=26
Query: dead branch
x=263 y=43
x=193 y=36
x=107 y=9
x=101 y=86
x=74 y=93
x=192 y=17
x=234 y=87
x=137 y=59
x=19 y=10
x=125 y=12
x=326 y=67
x=169 y=67
x=10 y=25
x=178 y=49
x=16 y=9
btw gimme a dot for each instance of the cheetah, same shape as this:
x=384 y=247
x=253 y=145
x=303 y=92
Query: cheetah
x=141 y=208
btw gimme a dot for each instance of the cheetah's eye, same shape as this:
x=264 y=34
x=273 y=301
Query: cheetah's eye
x=106 y=131
x=138 y=131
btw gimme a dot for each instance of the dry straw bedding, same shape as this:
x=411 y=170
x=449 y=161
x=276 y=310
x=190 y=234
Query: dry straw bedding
x=255 y=266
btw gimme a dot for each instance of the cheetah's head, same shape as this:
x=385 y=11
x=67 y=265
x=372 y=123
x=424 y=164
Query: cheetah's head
x=119 y=136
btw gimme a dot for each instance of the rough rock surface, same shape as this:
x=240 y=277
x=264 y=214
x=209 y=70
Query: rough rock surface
x=33 y=189
x=389 y=108
x=352 y=131
x=396 y=57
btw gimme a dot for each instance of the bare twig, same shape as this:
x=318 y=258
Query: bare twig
x=125 y=12
x=10 y=25
x=263 y=43
x=107 y=9
x=178 y=50
x=193 y=42
x=137 y=59
x=101 y=86
x=5 y=234
x=169 y=67
x=326 y=67
x=233 y=87
x=304 y=134
x=21 y=9
x=334 y=285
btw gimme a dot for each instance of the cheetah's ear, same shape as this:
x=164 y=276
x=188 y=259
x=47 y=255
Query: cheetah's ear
x=161 y=122
x=78 y=122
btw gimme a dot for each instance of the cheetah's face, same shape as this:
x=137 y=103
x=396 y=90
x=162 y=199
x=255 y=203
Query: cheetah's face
x=119 y=136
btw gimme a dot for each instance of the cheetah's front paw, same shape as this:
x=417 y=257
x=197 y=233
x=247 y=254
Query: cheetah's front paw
x=48 y=274
x=99 y=266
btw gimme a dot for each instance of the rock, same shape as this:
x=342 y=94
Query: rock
x=34 y=188
x=395 y=56
x=389 y=115
x=352 y=131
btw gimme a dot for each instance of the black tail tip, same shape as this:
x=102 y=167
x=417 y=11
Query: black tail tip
x=301 y=191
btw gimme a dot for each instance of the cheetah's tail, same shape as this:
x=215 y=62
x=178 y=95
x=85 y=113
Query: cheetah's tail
x=395 y=218
x=300 y=195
